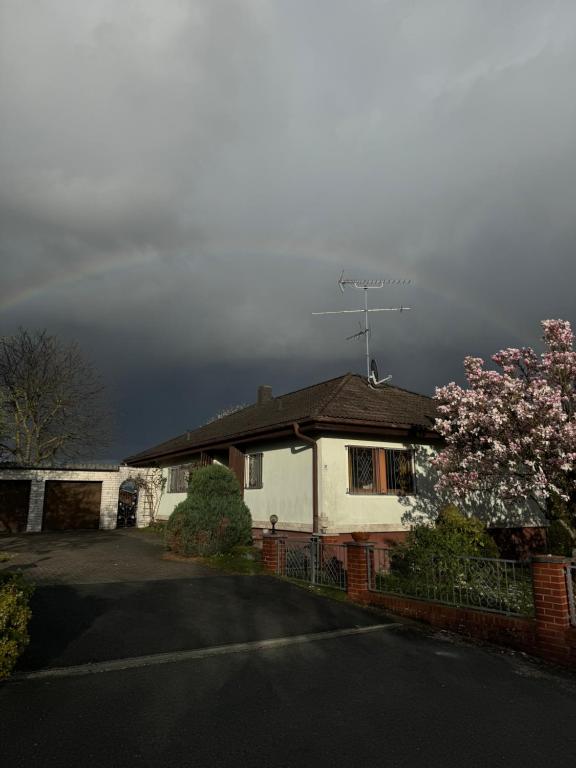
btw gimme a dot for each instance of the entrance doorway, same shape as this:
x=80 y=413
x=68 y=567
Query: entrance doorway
x=127 y=505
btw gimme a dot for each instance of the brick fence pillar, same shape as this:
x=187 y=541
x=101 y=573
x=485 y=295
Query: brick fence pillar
x=273 y=553
x=552 y=608
x=359 y=556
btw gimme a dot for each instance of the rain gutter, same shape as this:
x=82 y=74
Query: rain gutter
x=314 y=444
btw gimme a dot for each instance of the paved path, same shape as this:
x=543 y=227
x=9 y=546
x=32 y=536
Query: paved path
x=93 y=557
x=235 y=671
x=107 y=595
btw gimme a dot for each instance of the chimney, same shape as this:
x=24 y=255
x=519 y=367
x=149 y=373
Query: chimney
x=264 y=394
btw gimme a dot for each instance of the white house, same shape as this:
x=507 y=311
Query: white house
x=332 y=458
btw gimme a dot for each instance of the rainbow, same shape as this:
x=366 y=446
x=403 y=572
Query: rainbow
x=494 y=317
x=75 y=275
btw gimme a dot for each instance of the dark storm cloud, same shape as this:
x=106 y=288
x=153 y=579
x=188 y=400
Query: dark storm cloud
x=182 y=182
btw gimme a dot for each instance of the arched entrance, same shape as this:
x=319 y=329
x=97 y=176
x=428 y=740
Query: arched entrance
x=127 y=504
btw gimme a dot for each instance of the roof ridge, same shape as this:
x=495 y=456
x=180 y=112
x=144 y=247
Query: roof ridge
x=330 y=397
x=411 y=391
x=277 y=397
x=311 y=386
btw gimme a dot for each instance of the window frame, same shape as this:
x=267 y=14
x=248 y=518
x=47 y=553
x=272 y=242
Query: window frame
x=247 y=479
x=381 y=472
x=180 y=468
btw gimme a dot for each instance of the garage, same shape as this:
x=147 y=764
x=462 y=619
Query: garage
x=14 y=503
x=71 y=504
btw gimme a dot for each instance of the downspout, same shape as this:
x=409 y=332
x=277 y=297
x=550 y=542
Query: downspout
x=314 y=444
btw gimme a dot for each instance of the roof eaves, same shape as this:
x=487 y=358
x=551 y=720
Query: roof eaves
x=373 y=422
x=238 y=437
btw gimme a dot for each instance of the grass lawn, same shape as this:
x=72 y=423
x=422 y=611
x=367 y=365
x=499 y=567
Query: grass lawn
x=242 y=560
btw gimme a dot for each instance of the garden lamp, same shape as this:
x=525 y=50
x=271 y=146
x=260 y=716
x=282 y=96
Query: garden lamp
x=274 y=520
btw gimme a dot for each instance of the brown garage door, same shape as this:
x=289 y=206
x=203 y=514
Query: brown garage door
x=14 y=501
x=70 y=504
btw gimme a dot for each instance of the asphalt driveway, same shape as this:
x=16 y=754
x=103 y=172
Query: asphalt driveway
x=111 y=595
x=93 y=557
x=252 y=671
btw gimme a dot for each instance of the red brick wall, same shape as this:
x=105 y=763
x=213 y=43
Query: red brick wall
x=514 y=632
x=549 y=634
x=554 y=633
x=270 y=553
x=514 y=543
x=381 y=538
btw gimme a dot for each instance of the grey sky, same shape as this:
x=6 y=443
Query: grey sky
x=181 y=183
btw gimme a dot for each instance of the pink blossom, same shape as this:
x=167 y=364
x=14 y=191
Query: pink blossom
x=512 y=431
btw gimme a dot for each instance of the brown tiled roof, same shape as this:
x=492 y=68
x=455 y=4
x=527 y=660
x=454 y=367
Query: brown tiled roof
x=347 y=400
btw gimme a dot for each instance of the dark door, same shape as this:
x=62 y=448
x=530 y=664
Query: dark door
x=14 y=502
x=70 y=504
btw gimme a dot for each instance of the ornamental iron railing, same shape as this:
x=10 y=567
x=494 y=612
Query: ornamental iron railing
x=314 y=561
x=502 y=586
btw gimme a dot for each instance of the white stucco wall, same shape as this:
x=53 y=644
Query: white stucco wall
x=110 y=479
x=286 y=487
x=343 y=512
x=168 y=500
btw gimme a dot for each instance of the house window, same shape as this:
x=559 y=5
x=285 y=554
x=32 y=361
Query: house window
x=178 y=478
x=380 y=471
x=253 y=472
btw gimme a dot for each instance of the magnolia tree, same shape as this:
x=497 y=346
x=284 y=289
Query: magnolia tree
x=512 y=432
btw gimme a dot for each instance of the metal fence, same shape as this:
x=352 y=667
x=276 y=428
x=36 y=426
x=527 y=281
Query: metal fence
x=314 y=561
x=571 y=586
x=503 y=586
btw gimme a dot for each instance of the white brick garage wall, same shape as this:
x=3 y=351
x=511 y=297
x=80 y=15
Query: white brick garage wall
x=111 y=479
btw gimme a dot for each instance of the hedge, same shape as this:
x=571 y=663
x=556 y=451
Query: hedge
x=15 y=614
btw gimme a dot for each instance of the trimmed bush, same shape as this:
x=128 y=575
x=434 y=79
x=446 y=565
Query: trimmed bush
x=214 y=480
x=15 y=614
x=213 y=519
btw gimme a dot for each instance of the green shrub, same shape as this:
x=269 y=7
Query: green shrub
x=212 y=519
x=432 y=564
x=560 y=542
x=214 y=480
x=15 y=614
x=453 y=534
x=437 y=547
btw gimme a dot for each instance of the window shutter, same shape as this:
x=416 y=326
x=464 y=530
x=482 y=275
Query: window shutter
x=380 y=464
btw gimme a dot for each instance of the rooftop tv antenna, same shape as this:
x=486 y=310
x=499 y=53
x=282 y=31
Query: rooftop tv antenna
x=365 y=285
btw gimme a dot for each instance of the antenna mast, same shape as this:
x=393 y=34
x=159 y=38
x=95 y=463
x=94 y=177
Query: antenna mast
x=365 y=285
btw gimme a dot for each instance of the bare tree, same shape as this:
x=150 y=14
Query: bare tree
x=51 y=400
